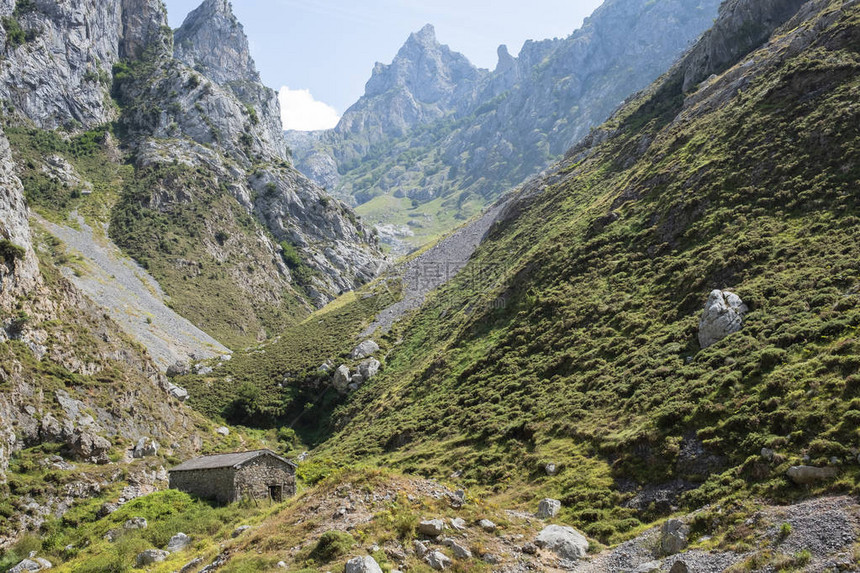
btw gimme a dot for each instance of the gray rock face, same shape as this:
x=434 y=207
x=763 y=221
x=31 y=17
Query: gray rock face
x=673 y=536
x=806 y=475
x=723 y=315
x=151 y=556
x=177 y=543
x=62 y=74
x=17 y=275
x=566 y=542
x=213 y=41
x=366 y=564
x=431 y=527
x=548 y=508
x=364 y=349
x=742 y=26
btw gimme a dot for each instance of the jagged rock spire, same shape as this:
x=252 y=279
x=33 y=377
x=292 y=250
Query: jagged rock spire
x=213 y=41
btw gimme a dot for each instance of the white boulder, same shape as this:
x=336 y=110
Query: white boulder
x=566 y=542
x=723 y=315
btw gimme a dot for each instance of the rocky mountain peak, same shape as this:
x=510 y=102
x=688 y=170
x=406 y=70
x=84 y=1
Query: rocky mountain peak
x=213 y=41
x=426 y=36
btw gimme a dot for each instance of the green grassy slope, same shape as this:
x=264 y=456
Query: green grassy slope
x=591 y=360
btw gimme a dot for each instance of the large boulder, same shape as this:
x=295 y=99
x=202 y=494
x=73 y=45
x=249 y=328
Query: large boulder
x=366 y=564
x=26 y=566
x=806 y=475
x=723 y=315
x=341 y=379
x=145 y=447
x=369 y=368
x=89 y=447
x=150 y=556
x=178 y=542
x=364 y=349
x=177 y=392
x=673 y=537
x=431 y=527
x=566 y=542
x=548 y=508
x=179 y=368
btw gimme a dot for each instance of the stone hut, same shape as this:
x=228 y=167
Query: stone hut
x=259 y=474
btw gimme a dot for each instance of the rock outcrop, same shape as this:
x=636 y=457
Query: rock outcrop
x=61 y=74
x=566 y=542
x=723 y=315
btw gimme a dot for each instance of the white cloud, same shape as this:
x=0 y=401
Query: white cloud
x=300 y=111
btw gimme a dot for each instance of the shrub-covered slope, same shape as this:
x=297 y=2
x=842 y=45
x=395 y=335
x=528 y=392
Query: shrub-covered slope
x=586 y=354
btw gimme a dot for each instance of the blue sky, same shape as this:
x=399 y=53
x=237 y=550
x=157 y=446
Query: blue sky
x=321 y=52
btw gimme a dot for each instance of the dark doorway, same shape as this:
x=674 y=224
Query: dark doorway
x=276 y=492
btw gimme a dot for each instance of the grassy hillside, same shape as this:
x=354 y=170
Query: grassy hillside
x=587 y=355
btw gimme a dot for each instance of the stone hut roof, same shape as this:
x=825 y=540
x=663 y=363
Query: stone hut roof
x=219 y=461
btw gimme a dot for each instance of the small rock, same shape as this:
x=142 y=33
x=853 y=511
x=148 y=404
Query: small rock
x=530 y=549
x=805 y=475
x=673 y=537
x=178 y=542
x=364 y=349
x=223 y=430
x=431 y=527
x=491 y=558
x=487 y=525
x=111 y=536
x=548 y=508
x=135 y=523
x=458 y=523
x=566 y=542
x=458 y=498
x=151 y=556
x=679 y=567
x=420 y=548
x=767 y=454
x=551 y=469
x=240 y=530
x=191 y=565
x=366 y=564
x=458 y=550
x=438 y=560
x=282 y=565
x=203 y=370
x=649 y=567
